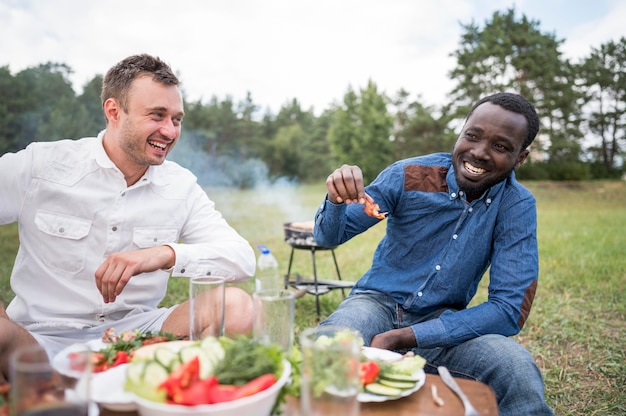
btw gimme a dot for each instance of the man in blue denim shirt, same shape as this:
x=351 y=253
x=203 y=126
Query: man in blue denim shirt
x=450 y=217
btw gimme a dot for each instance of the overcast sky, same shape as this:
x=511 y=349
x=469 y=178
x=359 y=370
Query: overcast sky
x=277 y=50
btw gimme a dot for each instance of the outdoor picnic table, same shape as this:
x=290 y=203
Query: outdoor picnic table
x=420 y=403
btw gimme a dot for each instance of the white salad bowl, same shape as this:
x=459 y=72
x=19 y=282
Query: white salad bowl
x=259 y=404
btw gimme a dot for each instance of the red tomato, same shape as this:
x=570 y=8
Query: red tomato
x=198 y=392
x=368 y=372
x=121 y=357
x=182 y=377
x=222 y=393
x=254 y=386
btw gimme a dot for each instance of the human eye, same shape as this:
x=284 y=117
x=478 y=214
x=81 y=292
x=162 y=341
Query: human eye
x=471 y=136
x=502 y=147
x=157 y=115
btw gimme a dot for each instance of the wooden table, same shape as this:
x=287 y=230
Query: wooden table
x=419 y=403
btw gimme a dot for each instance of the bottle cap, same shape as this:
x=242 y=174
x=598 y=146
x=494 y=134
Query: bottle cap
x=263 y=249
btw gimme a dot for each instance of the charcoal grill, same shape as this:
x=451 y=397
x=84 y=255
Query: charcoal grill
x=299 y=235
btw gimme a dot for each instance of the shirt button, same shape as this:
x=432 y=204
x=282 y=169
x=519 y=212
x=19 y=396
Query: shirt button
x=489 y=200
x=155 y=239
x=123 y=193
x=114 y=228
x=438 y=267
x=61 y=230
x=471 y=209
x=182 y=270
x=453 y=195
x=455 y=236
x=419 y=294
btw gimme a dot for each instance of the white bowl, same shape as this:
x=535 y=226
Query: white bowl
x=259 y=404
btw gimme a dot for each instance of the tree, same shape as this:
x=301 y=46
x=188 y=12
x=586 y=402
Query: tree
x=514 y=55
x=417 y=131
x=296 y=145
x=31 y=98
x=603 y=81
x=361 y=131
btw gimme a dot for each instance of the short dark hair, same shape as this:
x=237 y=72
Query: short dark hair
x=517 y=104
x=118 y=79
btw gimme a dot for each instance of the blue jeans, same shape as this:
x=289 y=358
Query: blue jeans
x=496 y=360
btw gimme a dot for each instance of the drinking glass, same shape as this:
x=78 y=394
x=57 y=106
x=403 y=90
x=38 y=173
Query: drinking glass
x=330 y=371
x=274 y=311
x=37 y=389
x=206 y=306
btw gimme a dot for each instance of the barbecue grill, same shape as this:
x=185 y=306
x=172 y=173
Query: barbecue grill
x=299 y=235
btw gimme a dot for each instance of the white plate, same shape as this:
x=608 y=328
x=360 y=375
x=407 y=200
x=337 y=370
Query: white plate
x=61 y=361
x=368 y=397
x=377 y=354
x=107 y=389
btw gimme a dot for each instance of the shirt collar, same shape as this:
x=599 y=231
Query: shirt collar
x=454 y=191
x=154 y=174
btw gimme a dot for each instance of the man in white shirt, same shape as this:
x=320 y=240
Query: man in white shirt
x=104 y=221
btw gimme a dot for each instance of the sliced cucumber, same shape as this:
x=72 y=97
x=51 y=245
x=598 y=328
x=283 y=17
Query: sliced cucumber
x=399 y=377
x=402 y=385
x=154 y=373
x=167 y=358
x=188 y=353
x=134 y=372
x=206 y=363
x=382 y=390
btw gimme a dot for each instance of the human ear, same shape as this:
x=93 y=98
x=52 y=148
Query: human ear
x=521 y=158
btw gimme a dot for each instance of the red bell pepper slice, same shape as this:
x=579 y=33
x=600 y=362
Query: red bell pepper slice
x=199 y=392
x=182 y=377
x=369 y=372
x=256 y=385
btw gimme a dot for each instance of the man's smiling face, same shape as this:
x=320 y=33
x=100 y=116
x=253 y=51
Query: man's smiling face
x=488 y=148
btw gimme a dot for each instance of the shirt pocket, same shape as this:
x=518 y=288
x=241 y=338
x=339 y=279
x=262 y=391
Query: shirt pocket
x=64 y=240
x=152 y=237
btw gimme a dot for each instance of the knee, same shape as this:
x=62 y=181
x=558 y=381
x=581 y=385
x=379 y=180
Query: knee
x=238 y=312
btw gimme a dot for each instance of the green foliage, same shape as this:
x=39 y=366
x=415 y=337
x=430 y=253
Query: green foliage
x=361 y=131
x=417 y=130
x=510 y=54
x=507 y=52
x=603 y=80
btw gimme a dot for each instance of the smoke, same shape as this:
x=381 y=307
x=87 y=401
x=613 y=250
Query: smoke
x=252 y=175
x=218 y=171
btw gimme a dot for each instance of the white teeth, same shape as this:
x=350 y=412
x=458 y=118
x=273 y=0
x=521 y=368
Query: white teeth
x=159 y=145
x=473 y=169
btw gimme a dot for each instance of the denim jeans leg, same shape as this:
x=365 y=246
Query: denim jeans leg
x=501 y=363
x=367 y=312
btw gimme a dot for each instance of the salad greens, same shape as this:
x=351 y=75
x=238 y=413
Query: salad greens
x=245 y=359
x=326 y=368
x=406 y=366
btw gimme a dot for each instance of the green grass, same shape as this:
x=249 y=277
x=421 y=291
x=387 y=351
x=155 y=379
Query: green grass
x=577 y=327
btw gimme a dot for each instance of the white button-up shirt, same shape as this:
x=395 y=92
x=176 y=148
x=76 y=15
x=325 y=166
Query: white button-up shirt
x=74 y=209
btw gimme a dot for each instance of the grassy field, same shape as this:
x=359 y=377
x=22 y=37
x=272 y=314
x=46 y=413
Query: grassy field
x=577 y=327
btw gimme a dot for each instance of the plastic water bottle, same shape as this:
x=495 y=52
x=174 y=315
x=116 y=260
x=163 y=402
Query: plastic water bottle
x=267 y=276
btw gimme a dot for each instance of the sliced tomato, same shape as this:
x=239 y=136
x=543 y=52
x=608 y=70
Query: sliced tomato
x=199 y=392
x=121 y=357
x=182 y=377
x=369 y=372
x=254 y=386
x=223 y=393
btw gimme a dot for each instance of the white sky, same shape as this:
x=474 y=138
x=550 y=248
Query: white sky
x=311 y=50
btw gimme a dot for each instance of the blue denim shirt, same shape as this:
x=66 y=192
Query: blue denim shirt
x=438 y=246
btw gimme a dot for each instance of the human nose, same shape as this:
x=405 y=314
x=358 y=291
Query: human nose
x=170 y=129
x=480 y=150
